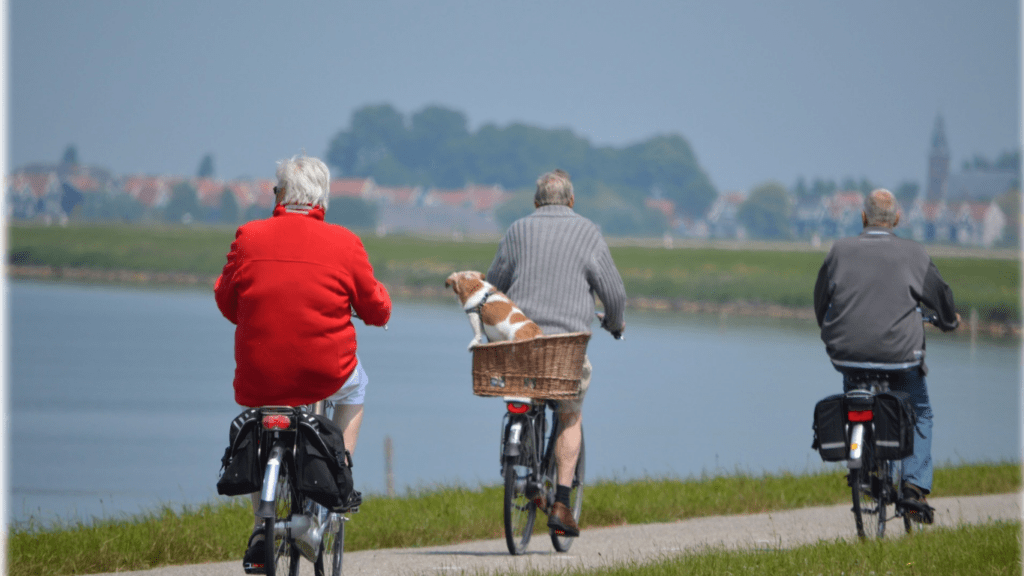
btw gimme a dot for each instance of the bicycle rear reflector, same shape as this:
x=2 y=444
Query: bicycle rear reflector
x=518 y=407
x=860 y=415
x=276 y=422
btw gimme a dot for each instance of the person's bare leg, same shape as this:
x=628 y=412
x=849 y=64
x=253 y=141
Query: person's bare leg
x=349 y=417
x=567 y=445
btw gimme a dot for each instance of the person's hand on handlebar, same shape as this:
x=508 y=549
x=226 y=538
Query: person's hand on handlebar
x=617 y=334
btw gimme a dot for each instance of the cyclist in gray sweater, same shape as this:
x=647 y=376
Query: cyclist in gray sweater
x=552 y=263
x=866 y=302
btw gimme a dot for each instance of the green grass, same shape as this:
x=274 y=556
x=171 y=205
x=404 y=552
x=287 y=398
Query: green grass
x=218 y=532
x=719 y=275
x=993 y=549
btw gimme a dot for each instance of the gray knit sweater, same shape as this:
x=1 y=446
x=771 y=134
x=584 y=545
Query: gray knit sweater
x=552 y=263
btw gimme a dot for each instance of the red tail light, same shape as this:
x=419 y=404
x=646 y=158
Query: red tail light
x=518 y=407
x=276 y=422
x=860 y=415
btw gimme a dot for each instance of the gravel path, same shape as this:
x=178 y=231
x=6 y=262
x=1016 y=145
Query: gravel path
x=646 y=542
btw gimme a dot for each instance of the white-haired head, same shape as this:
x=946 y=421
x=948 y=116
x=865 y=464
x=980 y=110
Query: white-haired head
x=303 y=180
x=881 y=209
x=554 y=188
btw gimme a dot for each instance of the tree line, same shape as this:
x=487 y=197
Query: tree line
x=434 y=147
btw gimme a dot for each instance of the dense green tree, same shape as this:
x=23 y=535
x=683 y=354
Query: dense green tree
x=206 y=167
x=765 y=213
x=353 y=213
x=255 y=212
x=183 y=206
x=228 y=207
x=70 y=157
x=820 y=188
x=668 y=163
x=437 y=149
x=906 y=193
x=1009 y=161
x=102 y=207
x=519 y=204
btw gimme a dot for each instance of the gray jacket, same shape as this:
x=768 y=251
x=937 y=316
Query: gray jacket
x=552 y=263
x=866 y=299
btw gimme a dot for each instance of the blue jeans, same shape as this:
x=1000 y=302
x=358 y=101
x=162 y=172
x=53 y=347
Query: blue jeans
x=917 y=468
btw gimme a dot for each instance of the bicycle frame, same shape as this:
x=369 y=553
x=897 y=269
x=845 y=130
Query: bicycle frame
x=307 y=522
x=884 y=475
x=525 y=423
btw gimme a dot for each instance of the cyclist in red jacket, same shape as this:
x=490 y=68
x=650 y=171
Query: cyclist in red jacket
x=289 y=286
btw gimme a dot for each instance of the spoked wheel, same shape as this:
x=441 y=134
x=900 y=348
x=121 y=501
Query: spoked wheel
x=282 y=555
x=868 y=501
x=562 y=543
x=520 y=509
x=328 y=562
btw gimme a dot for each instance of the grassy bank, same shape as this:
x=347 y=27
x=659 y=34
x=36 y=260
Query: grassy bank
x=992 y=549
x=218 y=532
x=780 y=276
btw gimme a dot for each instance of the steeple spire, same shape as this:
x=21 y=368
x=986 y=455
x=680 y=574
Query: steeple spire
x=938 y=162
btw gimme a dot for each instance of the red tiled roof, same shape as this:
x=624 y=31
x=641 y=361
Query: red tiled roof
x=399 y=194
x=350 y=186
x=38 y=183
x=666 y=207
x=263 y=193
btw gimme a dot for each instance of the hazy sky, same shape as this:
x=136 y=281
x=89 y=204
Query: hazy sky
x=761 y=90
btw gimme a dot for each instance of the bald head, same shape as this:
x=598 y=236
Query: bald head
x=881 y=209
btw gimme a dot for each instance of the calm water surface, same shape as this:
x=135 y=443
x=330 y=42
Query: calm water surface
x=120 y=399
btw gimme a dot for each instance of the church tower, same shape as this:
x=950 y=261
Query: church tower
x=938 y=163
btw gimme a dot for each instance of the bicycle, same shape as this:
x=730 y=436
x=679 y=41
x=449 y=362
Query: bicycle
x=294 y=526
x=875 y=482
x=531 y=477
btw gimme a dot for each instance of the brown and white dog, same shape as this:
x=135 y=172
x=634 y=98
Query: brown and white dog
x=490 y=312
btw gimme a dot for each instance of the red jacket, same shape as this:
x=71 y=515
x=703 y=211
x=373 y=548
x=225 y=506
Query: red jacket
x=288 y=286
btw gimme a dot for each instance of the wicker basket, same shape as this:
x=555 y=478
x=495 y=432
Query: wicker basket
x=542 y=367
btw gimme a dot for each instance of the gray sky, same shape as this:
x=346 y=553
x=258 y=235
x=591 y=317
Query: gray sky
x=761 y=90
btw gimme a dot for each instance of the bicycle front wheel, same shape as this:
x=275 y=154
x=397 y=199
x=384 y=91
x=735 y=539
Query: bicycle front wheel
x=328 y=563
x=520 y=509
x=282 y=555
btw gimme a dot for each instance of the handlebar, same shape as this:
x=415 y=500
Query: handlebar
x=617 y=334
x=928 y=317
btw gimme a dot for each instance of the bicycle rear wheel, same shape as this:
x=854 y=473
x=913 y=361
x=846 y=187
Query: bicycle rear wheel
x=866 y=484
x=282 y=553
x=520 y=509
x=562 y=543
x=328 y=563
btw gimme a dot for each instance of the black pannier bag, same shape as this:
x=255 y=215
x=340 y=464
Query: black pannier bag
x=895 y=422
x=240 y=465
x=323 y=466
x=830 y=428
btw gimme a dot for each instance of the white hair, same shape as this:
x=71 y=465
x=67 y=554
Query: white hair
x=554 y=188
x=304 y=180
x=880 y=208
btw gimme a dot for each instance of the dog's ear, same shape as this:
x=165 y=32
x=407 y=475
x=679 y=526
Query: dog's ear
x=453 y=282
x=479 y=275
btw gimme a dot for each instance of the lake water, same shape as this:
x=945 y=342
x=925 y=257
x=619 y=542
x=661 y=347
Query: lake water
x=120 y=399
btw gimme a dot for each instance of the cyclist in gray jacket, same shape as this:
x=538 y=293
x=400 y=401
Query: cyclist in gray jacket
x=866 y=301
x=552 y=263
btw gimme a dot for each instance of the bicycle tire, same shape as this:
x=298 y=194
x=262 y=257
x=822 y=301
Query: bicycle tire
x=562 y=543
x=280 y=548
x=332 y=549
x=520 y=511
x=866 y=485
